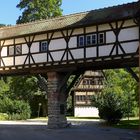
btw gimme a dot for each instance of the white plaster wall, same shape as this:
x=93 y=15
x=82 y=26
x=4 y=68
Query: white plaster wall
x=78 y=53
x=25 y=49
x=78 y=31
x=129 y=34
x=9 y=42
x=57 y=35
x=40 y=37
x=130 y=47
x=91 y=29
x=19 y=60
x=86 y=112
x=38 y=58
x=103 y=27
x=128 y=23
x=57 y=55
x=57 y=44
x=110 y=37
x=35 y=47
x=19 y=40
x=73 y=42
x=4 y=51
x=105 y=50
x=91 y=52
x=8 y=61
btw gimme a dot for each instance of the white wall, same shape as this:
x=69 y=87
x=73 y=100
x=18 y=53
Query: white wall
x=86 y=112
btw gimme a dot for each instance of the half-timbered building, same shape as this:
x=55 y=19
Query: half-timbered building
x=89 y=84
x=98 y=39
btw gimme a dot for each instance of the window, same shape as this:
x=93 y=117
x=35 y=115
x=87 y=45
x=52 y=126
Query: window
x=94 y=39
x=88 y=40
x=101 y=38
x=18 y=49
x=43 y=46
x=11 y=50
x=81 y=41
x=15 y=50
x=91 y=39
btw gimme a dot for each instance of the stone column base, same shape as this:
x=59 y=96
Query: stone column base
x=56 y=101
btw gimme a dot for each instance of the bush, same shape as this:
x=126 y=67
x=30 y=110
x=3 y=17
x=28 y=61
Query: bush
x=3 y=116
x=16 y=110
x=110 y=105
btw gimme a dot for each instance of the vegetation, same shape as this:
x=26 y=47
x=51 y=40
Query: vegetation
x=128 y=124
x=38 y=9
x=111 y=107
x=119 y=97
x=16 y=110
x=20 y=93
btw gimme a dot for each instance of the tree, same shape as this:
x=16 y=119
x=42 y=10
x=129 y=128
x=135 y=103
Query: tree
x=24 y=87
x=38 y=9
x=110 y=105
x=118 y=97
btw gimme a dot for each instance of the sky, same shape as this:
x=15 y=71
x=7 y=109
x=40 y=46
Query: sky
x=9 y=13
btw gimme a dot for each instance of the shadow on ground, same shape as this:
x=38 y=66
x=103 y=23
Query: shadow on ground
x=78 y=131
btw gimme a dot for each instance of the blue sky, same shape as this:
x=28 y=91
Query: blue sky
x=9 y=13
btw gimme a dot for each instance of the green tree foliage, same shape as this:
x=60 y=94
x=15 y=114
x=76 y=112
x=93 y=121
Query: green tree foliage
x=23 y=87
x=16 y=110
x=121 y=83
x=2 y=25
x=26 y=87
x=4 y=88
x=38 y=9
x=110 y=105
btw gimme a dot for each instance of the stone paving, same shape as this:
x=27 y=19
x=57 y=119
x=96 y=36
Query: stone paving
x=80 y=130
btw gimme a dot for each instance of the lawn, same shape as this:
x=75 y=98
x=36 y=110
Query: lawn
x=128 y=124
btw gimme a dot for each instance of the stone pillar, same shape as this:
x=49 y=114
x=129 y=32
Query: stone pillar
x=56 y=100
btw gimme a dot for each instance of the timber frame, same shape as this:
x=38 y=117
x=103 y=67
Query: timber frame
x=72 y=58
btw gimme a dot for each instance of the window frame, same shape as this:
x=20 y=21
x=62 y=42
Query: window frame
x=99 y=38
x=79 y=42
x=9 y=50
x=40 y=46
x=15 y=49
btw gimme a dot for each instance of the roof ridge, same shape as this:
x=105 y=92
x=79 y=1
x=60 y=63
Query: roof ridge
x=63 y=16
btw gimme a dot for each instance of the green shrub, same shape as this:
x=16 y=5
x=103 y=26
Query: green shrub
x=3 y=116
x=110 y=105
x=16 y=110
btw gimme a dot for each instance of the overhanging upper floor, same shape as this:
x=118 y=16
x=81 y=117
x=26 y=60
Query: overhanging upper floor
x=98 y=39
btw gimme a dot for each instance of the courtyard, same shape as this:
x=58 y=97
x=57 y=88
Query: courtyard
x=79 y=130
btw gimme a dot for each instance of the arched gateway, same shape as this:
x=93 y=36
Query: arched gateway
x=98 y=39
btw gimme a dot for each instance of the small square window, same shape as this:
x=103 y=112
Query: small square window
x=81 y=41
x=43 y=46
x=11 y=50
x=18 y=49
x=101 y=38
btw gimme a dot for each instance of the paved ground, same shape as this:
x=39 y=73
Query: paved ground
x=80 y=130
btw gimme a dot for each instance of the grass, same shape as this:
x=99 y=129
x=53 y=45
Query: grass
x=128 y=124
x=68 y=117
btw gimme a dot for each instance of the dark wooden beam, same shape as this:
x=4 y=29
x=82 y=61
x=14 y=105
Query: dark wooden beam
x=133 y=74
x=72 y=83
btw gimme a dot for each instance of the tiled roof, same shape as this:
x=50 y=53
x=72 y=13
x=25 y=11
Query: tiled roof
x=98 y=16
